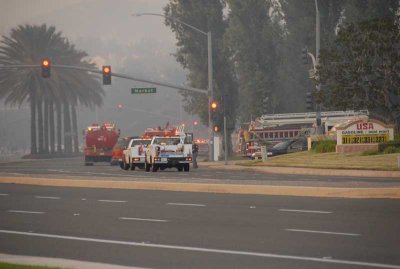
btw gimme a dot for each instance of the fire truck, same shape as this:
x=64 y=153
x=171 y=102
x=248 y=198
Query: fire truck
x=100 y=139
x=270 y=129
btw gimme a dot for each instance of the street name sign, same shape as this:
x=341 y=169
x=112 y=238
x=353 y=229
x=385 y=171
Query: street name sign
x=143 y=90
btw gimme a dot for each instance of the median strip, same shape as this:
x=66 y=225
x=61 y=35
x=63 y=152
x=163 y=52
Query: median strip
x=385 y=192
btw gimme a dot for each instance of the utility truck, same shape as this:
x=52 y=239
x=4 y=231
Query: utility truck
x=170 y=152
x=134 y=154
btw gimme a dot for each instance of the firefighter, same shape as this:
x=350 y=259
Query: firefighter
x=195 y=151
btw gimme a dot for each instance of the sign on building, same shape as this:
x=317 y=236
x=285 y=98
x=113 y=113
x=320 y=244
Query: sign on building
x=367 y=134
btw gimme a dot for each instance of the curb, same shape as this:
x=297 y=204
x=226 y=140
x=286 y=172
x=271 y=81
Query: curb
x=332 y=192
x=305 y=171
x=58 y=262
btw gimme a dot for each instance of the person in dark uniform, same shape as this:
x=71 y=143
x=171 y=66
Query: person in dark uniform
x=195 y=151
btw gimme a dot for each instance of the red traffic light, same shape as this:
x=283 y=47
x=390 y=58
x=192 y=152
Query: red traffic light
x=216 y=128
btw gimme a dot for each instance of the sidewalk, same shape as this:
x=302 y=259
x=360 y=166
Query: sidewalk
x=232 y=166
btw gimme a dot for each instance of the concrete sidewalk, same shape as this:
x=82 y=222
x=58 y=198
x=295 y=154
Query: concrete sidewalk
x=231 y=166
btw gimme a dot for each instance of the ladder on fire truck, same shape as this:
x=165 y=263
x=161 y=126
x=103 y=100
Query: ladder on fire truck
x=309 y=117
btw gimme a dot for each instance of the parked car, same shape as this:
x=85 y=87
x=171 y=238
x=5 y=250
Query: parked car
x=293 y=145
x=117 y=151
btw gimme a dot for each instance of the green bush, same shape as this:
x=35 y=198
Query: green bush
x=383 y=146
x=390 y=149
x=323 y=146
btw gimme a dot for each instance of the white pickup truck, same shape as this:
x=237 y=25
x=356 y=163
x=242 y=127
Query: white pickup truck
x=134 y=154
x=169 y=152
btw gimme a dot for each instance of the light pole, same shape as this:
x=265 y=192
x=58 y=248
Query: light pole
x=210 y=76
x=317 y=47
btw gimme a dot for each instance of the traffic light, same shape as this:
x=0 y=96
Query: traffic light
x=216 y=128
x=214 y=106
x=304 y=55
x=106 y=75
x=45 y=68
x=309 y=101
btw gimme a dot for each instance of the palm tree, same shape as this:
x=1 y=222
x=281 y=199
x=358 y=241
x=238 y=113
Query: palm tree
x=29 y=44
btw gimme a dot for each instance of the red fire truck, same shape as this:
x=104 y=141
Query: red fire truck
x=100 y=140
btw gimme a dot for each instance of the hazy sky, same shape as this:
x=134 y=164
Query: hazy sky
x=105 y=19
x=141 y=46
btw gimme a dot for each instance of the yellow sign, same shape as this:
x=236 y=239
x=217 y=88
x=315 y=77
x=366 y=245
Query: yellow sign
x=365 y=138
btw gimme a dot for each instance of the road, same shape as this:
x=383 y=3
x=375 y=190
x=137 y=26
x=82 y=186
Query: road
x=74 y=168
x=165 y=229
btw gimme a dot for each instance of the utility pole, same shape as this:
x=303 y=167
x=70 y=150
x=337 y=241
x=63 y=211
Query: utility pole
x=317 y=48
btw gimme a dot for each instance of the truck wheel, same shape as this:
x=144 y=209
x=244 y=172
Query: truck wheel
x=121 y=164
x=126 y=165
x=179 y=167
x=186 y=167
x=88 y=164
x=154 y=168
x=147 y=167
x=132 y=166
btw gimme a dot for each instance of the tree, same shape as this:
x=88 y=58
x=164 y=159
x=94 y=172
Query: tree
x=361 y=70
x=192 y=55
x=29 y=44
x=251 y=38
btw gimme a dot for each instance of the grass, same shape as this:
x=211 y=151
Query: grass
x=330 y=160
x=18 y=266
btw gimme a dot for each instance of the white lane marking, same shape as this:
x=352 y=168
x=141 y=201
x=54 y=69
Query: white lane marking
x=185 y=204
x=206 y=250
x=321 y=232
x=3 y=194
x=112 y=201
x=25 y=212
x=151 y=220
x=305 y=211
x=47 y=197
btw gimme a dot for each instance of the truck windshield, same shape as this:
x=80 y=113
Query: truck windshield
x=140 y=142
x=167 y=140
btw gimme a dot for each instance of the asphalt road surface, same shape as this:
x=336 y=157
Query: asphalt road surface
x=165 y=229
x=74 y=168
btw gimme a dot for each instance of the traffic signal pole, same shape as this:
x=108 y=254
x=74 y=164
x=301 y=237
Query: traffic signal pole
x=210 y=99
